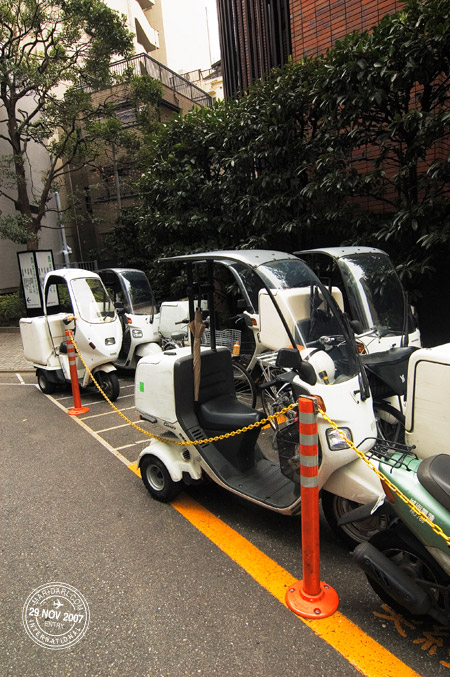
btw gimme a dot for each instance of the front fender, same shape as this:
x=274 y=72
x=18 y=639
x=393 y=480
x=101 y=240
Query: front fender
x=172 y=457
x=355 y=481
x=104 y=367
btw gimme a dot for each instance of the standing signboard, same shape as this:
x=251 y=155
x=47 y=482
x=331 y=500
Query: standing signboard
x=33 y=266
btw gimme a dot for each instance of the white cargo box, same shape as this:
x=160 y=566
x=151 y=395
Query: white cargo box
x=153 y=385
x=171 y=313
x=428 y=401
x=36 y=342
x=294 y=304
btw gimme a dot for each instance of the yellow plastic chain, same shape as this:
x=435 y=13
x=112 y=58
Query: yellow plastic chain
x=436 y=528
x=217 y=438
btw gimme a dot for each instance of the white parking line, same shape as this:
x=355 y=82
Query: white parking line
x=106 y=413
x=103 y=442
x=116 y=427
x=127 y=446
x=90 y=403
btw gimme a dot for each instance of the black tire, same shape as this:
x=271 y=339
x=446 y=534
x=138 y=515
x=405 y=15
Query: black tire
x=244 y=385
x=413 y=560
x=47 y=387
x=275 y=398
x=170 y=346
x=334 y=507
x=393 y=429
x=157 y=479
x=109 y=383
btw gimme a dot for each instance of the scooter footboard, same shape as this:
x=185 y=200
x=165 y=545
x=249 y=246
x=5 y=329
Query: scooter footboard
x=355 y=482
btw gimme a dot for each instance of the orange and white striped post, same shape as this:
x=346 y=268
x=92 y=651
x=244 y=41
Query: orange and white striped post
x=310 y=597
x=77 y=408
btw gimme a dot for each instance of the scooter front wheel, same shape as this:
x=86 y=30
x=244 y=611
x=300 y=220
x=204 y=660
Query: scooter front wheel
x=47 y=387
x=157 y=479
x=334 y=507
x=109 y=383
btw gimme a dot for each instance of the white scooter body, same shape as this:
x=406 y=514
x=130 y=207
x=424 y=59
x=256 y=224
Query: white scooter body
x=360 y=273
x=133 y=298
x=88 y=311
x=164 y=395
x=340 y=471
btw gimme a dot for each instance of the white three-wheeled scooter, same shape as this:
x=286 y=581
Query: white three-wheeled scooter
x=74 y=299
x=327 y=366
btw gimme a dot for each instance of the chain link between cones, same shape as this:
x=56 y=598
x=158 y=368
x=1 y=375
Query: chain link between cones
x=436 y=528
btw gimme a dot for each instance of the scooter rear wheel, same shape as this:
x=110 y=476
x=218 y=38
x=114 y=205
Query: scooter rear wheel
x=47 y=387
x=416 y=563
x=157 y=479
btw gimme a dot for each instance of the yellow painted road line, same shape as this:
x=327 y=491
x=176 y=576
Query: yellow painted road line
x=363 y=652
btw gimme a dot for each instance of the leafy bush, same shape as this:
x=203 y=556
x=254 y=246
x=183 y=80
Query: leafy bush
x=12 y=308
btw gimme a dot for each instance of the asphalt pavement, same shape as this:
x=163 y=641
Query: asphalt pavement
x=165 y=598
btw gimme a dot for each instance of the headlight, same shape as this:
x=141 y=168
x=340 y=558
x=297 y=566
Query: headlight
x=335 y=441
x=137 y=333
x=110 y=341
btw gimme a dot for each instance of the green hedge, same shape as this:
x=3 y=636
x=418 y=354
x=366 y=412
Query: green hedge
x=12 y=308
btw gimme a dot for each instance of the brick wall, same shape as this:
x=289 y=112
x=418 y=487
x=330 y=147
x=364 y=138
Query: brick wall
x=317 y=24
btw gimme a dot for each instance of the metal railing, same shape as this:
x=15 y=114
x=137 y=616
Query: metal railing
x=144 y=64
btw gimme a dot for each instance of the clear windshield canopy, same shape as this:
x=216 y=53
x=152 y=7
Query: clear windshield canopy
x=140 y=299
x=91 y=297
x=374 y=291
x=311 y=314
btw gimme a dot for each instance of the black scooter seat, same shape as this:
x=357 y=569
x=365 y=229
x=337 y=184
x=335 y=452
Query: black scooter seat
x=226 y=413
x=434 y=475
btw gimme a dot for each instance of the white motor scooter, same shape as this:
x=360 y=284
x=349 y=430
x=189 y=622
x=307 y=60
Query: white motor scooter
x=135 y=304
x=372 y=293
x=385 y=327
x=74 y=299
x=328 y=366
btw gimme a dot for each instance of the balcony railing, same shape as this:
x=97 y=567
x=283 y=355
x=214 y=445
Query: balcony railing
x=143 y=63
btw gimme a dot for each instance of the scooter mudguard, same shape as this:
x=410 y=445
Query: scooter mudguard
x=174 y=458
x=148 y=349
x=355 y=482
x=102 y=367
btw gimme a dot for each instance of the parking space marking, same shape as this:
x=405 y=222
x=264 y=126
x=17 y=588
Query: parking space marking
x=98 y=437
x=359 y=649
x=116 y=427
x=21 y=383
x=133 y=444
x=106 y=413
